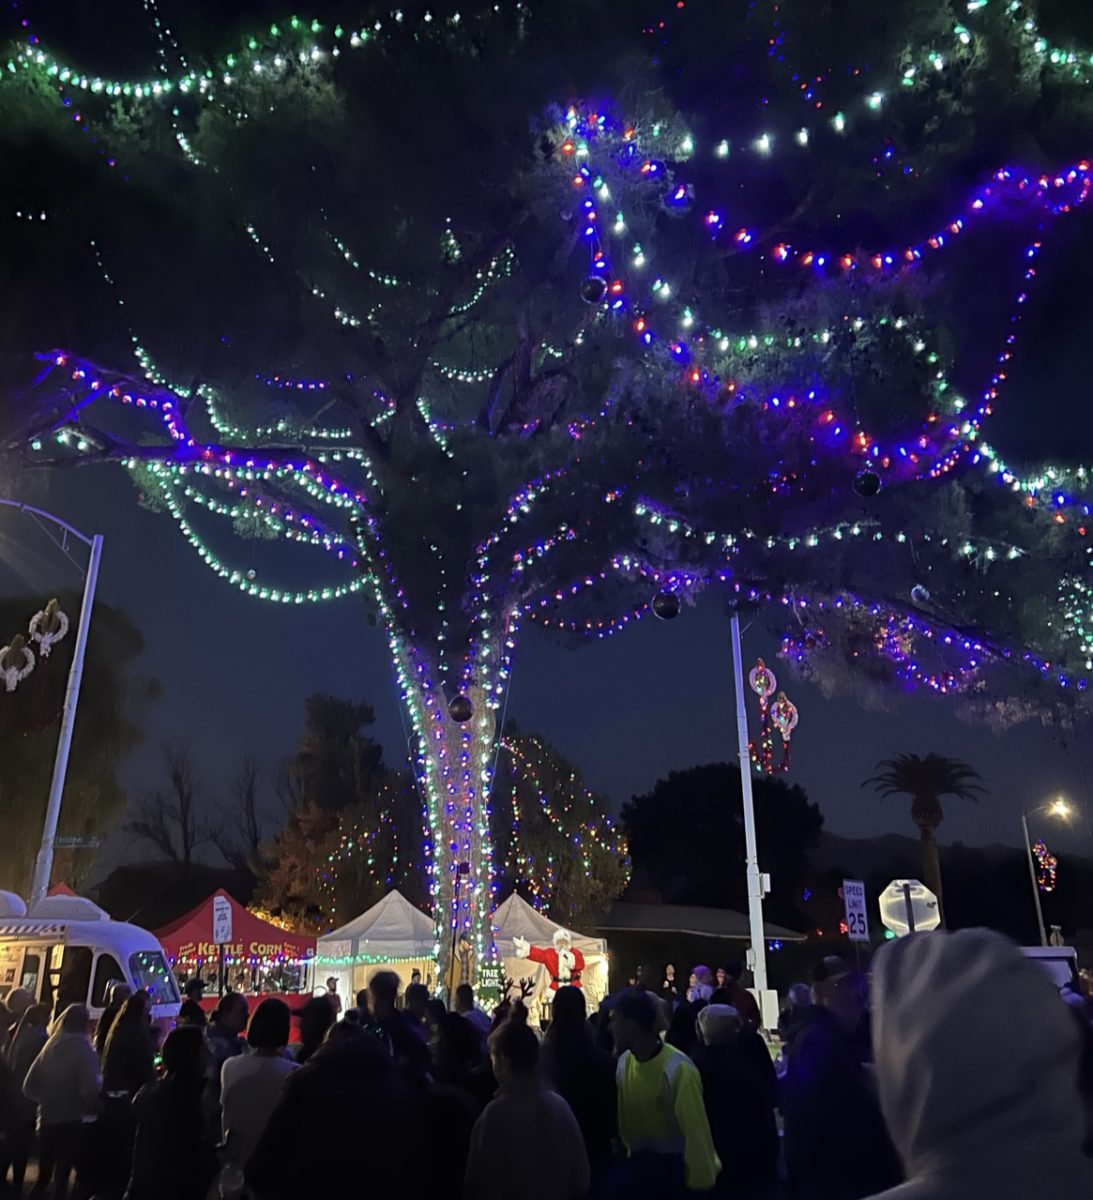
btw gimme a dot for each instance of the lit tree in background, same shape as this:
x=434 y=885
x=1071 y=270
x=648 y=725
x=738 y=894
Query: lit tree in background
x=554 y=839
x=548 y=312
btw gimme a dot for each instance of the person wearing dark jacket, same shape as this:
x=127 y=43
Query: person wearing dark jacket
x=827 y=1091
x=223 y=1032
x=316 y=1017
x=173 y=1155
x=11 y=1113
x=584 y=1076
x=740 y=1090
x=128 y=1063
x=116 y=996
x=30 y=1036
x=739 y=996
x=459 y=1061
x=797 y=1012
x=349 y=1102
x=404 y=1035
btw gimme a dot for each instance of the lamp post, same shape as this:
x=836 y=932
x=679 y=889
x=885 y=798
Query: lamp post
x=757 y=882
x=1057 y=808
x=43 y=864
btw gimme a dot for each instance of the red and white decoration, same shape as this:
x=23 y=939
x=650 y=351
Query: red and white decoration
x=564 y=964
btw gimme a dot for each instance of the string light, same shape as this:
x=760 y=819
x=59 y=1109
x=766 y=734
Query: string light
x=1047 y=867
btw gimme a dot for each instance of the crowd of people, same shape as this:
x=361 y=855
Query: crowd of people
x=971 y=1077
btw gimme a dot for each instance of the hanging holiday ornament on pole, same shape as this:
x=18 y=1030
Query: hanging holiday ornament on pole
x=16 y=662
x=784 y=717
x=460 y=709
x=781 y=715
x=47 y=628
x=1048 y=866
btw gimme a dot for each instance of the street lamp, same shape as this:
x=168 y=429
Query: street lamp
x=1061 y=811
x=43 y=864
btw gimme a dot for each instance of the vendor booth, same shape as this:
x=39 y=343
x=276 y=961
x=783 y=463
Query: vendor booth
x=515 y=918
x=230 y=948
x=392 y=935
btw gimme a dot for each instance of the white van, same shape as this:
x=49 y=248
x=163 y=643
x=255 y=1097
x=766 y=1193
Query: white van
x=67 y=950
x=1060 y=962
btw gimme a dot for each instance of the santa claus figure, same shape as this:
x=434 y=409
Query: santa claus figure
x=563 y=962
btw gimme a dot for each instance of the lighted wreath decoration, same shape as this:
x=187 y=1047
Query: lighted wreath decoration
x=48 y=627
x=16 y=662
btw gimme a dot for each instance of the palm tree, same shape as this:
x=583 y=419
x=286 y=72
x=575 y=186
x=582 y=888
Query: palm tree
x=926 y=780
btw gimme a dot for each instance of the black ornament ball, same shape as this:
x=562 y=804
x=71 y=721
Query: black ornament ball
x=920 y=595
x=460 y=709
x=867 y=482
x=593 y=289
x=666 y=605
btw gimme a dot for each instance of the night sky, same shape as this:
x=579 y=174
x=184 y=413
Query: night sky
x=235 y=671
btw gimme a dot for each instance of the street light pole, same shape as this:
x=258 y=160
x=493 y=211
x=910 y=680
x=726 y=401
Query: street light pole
x=755 y=879
x=43 y=864
x=1033 y=879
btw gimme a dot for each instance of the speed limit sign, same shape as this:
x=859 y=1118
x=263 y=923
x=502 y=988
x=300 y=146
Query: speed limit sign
x=857 y=923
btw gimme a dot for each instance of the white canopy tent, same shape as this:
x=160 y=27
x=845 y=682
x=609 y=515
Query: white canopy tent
x=516 y=918
x=392 y=935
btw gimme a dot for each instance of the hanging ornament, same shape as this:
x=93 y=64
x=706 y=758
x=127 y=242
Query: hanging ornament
x=781 y=716
x=460 y=709
x=867 y=482
x=1048 y=866
x=252 y=573
x=920 y=595
x=593 y=289
x=16 y=662
x=47 y=628
x=666 y=606
x=762 y=680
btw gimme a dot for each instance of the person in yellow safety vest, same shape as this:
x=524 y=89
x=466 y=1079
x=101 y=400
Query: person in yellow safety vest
x=662 y=1117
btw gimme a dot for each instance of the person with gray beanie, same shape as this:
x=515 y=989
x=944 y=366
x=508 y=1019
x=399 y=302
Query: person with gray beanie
x=977 y=1064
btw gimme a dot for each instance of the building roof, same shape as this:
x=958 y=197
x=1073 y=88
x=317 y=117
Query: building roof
x=724 y=923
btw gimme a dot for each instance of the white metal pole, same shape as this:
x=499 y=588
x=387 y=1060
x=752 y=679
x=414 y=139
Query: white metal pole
x=757 y=956
x=43 y=865
x=1035 y=882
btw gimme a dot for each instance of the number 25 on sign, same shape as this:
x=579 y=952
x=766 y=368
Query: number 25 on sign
x=857 y=923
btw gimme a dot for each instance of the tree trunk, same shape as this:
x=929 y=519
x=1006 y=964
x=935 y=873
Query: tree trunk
x=455 y=766
x=931 y=868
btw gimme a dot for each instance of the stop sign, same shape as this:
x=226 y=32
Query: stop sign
x=907 y=906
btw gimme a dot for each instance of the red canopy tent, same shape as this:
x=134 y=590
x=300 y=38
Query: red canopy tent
x=189 y=940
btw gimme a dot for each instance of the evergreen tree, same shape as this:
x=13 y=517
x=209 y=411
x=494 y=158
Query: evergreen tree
x=337 y=770
x=543 y=311
x=554 y=839
x=107 y=730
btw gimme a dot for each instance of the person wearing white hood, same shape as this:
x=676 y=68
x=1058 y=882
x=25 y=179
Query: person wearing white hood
x=977 y=1064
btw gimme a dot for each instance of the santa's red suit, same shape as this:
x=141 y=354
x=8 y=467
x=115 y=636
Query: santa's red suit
x=563 y=963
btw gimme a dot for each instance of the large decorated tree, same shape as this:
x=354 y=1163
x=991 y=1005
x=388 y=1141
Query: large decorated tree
x=563 y=313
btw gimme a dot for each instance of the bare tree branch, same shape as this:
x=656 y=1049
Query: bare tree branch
x=173 y=825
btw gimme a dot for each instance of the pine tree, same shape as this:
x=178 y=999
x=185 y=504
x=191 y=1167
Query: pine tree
x=554 y=839
x=565 y=312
